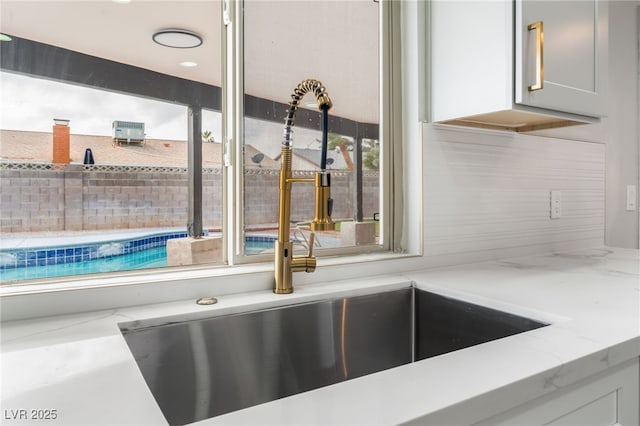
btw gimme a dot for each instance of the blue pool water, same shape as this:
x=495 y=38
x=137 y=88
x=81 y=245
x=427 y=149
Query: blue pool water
x=153 y=257
x=150 y=258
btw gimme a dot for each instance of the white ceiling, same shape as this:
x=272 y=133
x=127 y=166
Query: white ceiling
x=335 y=42
x=122 y=32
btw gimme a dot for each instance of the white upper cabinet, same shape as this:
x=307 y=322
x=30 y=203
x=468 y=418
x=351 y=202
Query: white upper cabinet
x=518 y=65
x=562 y=44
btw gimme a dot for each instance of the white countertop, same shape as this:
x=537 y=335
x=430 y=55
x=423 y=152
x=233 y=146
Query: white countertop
x=80 y=366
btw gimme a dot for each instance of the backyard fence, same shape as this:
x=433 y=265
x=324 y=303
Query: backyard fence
x=41 y=197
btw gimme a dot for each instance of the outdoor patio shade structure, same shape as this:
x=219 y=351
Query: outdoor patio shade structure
x=36 y=59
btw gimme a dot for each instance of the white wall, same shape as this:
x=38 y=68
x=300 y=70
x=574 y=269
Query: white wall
x=623 y=142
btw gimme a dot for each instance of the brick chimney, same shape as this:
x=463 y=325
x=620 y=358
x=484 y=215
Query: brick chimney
x=61 y=148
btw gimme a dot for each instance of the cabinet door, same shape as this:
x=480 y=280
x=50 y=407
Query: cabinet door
x=608 y=398
x=565 y=53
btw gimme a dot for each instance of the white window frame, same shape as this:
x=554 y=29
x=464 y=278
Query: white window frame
x=233 y=93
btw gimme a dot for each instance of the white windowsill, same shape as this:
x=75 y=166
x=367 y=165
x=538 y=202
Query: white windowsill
x=91 y=293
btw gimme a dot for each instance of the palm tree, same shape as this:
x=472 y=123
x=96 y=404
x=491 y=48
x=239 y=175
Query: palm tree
x=371 y=153
x=207 y=136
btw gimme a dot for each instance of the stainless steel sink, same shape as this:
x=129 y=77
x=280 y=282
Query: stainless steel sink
x=202 y=368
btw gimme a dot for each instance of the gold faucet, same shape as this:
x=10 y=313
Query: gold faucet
x=285 y=263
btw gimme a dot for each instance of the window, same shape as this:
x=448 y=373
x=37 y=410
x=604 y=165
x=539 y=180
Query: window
x=119 y=199
x=286 y=42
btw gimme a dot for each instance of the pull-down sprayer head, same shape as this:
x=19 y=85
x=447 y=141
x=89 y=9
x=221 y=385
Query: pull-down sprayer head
x=322 y=99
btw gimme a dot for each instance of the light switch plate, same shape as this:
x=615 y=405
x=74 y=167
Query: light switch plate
x=556 y=204
x=631 y=198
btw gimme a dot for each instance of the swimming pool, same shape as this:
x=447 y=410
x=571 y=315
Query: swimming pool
x=144 y=252
x=150 y=258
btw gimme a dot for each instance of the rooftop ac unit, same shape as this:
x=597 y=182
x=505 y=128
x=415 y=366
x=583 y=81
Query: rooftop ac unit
x=127 y=132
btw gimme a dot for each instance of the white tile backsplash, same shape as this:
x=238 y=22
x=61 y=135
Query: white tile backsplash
x=487 y=191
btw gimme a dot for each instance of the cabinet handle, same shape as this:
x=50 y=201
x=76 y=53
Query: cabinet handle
x=539 y=55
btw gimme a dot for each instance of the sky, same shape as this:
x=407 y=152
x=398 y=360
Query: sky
x=31 y=104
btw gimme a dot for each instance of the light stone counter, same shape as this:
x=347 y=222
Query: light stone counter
x=80 y=369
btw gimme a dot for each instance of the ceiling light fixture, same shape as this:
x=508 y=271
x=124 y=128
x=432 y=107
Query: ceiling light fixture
x=177 y=38
x=188 y=64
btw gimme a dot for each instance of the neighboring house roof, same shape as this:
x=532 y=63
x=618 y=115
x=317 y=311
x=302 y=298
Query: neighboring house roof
x=37 y=146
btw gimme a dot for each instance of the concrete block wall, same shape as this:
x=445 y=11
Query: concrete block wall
x=40 y=198
x=32 y=200
x=261 y=196
x=134 y=199
x=73 y=195
x=121 y=199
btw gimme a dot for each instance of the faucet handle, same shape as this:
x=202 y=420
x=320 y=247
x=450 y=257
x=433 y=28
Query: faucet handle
x=312 y=238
